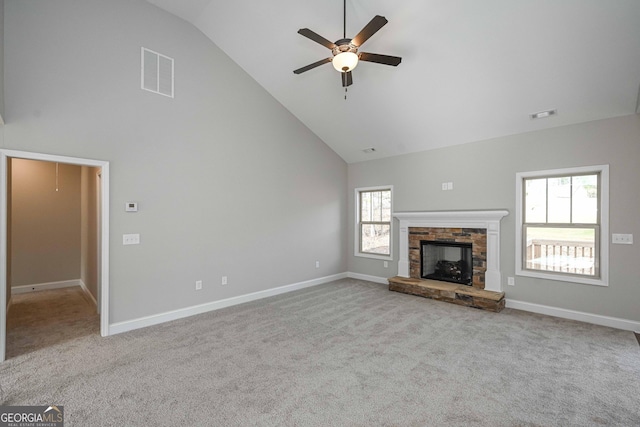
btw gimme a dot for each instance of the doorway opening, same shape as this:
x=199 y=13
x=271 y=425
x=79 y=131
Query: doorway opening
x=78 y=258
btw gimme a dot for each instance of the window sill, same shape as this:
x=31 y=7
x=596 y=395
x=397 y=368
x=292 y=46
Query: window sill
x=374 y=256
x=562 y=277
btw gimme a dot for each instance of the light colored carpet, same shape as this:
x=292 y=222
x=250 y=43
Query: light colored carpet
x=41 y=319
x=345 y=353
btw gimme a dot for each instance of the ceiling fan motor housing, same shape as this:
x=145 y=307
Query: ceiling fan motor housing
x=344 y=45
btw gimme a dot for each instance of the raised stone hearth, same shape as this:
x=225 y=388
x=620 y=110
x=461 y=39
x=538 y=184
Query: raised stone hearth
x=449 y=292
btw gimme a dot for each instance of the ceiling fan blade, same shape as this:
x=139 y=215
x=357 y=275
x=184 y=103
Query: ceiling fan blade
x=347 y=79
x=312 y=66
x=380 y=59
x=316 y=38
x=370 y=29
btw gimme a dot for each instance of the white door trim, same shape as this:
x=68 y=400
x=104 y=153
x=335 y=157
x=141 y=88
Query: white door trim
x=104 y=235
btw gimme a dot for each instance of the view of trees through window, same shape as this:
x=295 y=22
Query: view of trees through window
x=561 y=224
x=375 y=222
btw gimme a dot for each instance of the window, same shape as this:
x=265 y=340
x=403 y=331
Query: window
x=562 y=224
x=373 y=217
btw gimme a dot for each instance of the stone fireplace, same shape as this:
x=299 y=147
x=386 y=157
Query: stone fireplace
x=481 y=229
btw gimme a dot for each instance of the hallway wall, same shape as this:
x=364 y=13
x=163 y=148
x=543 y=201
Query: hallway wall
x=89 y=229
x=45 y=223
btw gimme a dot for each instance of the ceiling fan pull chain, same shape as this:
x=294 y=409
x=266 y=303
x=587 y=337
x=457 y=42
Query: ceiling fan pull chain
x=345 y=93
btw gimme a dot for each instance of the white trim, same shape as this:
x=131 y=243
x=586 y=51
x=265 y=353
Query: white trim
x=368 y=278
x=356 y=241
x=3 y=254
x=104 y=253
x=88 y=293
x=603 y=170
x=596 y=319
x=489 y=220
x=155 y=319
x=37 y=287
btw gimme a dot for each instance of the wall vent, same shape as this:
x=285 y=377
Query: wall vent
x=156 y=72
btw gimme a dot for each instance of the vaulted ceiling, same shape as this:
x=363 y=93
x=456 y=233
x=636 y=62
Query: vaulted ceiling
x=471 y=69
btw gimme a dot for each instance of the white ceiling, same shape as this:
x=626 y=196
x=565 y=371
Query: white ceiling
x=471 y=69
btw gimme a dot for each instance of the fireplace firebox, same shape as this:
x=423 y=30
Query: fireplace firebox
x=446 y=261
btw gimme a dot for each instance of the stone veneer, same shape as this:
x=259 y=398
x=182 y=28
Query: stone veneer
x=476 y=236
x=449 y=292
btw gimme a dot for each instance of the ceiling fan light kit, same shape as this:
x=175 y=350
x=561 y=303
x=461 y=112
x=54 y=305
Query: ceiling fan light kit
x=345 y=61
x=345 y=51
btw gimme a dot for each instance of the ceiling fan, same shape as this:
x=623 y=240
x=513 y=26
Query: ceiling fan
x=345 y=51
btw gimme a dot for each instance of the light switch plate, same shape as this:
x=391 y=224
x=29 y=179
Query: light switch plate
x=622 y=239
x=130 y=239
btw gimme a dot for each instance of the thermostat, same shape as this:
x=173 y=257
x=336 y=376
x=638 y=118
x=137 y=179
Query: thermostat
x=131 y=207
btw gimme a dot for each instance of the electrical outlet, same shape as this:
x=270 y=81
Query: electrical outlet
x=511 y=281
x=198 y=285
x=386 y=264
x=224 y=280
x=317 y=264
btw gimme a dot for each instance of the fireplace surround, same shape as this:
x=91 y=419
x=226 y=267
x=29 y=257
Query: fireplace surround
x=483 y=227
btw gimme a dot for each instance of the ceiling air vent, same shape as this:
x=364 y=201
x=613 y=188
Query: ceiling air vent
x=157 y=73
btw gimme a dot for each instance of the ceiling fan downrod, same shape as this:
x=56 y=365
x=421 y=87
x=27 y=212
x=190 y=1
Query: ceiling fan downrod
x=344 y=19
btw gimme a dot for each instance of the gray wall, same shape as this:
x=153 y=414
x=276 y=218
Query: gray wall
x=1 y=63
x=89 y=229
x=45 y=223
x=228 y=182
x=483 y=174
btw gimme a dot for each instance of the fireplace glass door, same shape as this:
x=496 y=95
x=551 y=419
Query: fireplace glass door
x=447 y=261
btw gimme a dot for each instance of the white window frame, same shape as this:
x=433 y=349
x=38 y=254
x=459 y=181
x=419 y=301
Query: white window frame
x=603 y=238
x=356 y=242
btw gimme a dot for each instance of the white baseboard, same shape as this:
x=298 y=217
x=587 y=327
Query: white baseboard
x=88 y=293
x=143 y=322
x=368 y=278
x=23 y=289
x=596 y=319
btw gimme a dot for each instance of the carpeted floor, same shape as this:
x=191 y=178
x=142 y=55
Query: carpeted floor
x=41 y=319
x=347 y=353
